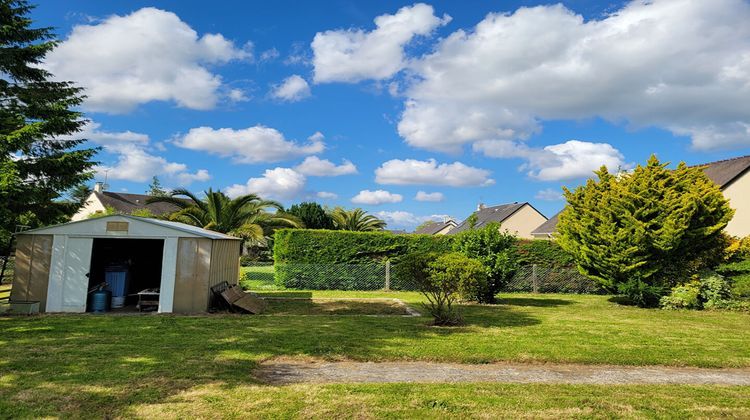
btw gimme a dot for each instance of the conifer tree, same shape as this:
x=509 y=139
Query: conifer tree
x=38 y=159
x=641 y=233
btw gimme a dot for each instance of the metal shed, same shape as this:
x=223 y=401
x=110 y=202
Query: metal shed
x=57 y=265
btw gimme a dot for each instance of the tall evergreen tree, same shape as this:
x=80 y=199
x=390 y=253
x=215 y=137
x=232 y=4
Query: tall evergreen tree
x=155 y=189
x=641 y=233
x=38 y=159
x=312 y=215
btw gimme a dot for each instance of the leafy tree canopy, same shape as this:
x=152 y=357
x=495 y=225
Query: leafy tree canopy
x=248 y=216
x=313 y=215
x=356 y=220
x=641 y=233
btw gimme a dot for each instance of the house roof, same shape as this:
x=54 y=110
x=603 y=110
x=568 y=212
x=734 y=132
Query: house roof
x=434 y=228
x=181 y=227
x=128 y=203
x=723 y=172
x=488 y=215
x=549 y=227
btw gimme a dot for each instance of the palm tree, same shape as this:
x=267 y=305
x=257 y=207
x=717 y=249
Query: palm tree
x=356 y=220
x=247 y=217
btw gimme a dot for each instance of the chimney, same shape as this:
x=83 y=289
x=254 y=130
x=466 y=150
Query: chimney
x=481 y=206
x=99 y=187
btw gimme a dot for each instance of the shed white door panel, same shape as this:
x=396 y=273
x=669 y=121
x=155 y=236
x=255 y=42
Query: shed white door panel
x=75 y=280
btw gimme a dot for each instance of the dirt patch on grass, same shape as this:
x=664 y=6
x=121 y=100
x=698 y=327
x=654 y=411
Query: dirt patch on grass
x=285 y=371
x=281 y=306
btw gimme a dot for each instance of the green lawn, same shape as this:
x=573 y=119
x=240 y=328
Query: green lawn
x=184 y=366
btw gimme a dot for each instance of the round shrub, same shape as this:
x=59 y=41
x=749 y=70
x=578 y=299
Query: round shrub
x=468 y=275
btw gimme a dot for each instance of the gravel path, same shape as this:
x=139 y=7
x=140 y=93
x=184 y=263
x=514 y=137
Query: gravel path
x=287 y=372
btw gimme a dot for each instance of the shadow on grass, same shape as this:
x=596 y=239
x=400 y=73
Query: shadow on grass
x=104 y=366
x=621 y=300
x=536 y=302
x=284 y=294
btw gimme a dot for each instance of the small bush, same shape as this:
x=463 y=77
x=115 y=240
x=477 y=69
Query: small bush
x=741 y=286
x=495 y=250
x=412 y=271
x=450 y=277
x=716 y=290
x=686 y=296
x=706 y=291
x=641 y=293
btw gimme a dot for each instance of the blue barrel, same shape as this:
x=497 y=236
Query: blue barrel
x=100 y=300
x=116 y=278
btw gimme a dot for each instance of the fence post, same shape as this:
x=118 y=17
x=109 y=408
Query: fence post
x=387 y=275
x=534 y=282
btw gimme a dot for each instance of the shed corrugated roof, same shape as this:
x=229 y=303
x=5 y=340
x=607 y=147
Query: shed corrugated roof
x=182 y=227
x=489 y=214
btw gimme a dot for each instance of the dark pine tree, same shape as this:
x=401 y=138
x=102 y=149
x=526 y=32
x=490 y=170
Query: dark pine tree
x=39 y=158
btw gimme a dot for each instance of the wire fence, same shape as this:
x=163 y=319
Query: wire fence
x=546 y=279
x=380 y=276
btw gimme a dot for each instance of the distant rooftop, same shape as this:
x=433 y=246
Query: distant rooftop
x=128 y=203
x=723 y=172
x=489 y=214
x=433 y=228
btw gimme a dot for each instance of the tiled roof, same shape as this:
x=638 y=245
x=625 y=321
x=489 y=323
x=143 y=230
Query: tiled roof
x=489 y=214
x=128 y=203
x=547 y=228
x=434 y=228
x=723 y=172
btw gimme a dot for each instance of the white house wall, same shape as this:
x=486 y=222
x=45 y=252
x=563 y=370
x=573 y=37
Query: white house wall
x=92 y=206
x=523 y=221
x=738 y=194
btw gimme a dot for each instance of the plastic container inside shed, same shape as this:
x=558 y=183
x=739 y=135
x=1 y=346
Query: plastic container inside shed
x=116 y=277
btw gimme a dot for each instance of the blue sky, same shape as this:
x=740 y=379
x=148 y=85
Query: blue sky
x=472 y=102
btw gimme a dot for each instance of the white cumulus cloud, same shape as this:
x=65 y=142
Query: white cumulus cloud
x=351 y=55
x=315 y=166
x=250 y=145
x=136 y=163
x=429 y=172
x=570 y=160
x=326 y=195
x=148 y=55
x=682 y=65
x=549 y=194
x=277 y=184
x=135 y=158
x=292 y=89
x=425 y=196
x=376 y=197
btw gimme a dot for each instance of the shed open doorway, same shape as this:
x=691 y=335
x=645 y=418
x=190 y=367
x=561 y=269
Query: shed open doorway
x=128 y=266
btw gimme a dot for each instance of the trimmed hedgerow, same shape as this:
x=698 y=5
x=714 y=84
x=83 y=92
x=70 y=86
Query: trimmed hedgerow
x=314 y=259
x=542 y=252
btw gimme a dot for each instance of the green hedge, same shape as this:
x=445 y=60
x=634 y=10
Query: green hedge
x=542 y=252
x=318 y=259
